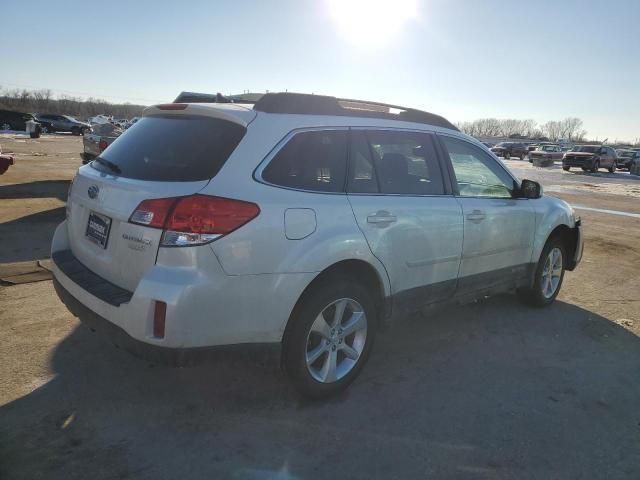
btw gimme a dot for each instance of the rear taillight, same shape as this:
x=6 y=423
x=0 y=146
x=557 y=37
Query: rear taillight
x=102 y=145
x=193 y=220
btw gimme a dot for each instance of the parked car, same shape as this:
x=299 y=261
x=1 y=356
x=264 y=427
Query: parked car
x=63 y=123
x=10 y=120
x=590 y=158
x=626 y=158
x=209 y=225
x=98 y=139
x=510 y=149
x=547 y=152
x=5 y=162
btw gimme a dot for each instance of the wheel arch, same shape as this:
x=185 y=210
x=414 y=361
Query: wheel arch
x=357 y=269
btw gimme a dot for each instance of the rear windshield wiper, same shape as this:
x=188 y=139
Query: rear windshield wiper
x=110 y=165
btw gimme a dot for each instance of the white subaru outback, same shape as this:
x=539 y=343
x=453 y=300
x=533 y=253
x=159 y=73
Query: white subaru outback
x=301 y=221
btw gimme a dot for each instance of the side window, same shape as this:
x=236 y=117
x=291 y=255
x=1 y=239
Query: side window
x=362 y=174
x=477 y=174
x=314 y=160
x=394 y=162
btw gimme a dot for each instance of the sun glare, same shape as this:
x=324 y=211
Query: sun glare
x=372 y=22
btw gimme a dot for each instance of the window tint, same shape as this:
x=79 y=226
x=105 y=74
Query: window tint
x=362 y=174
x=477 y=174
x=311 y=161
x=394 y=162
x=171 y=148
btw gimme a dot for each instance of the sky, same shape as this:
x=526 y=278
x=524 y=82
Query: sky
x=463 y=59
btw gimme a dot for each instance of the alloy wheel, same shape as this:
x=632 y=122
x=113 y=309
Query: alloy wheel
x=551 y=273
x=336 y=340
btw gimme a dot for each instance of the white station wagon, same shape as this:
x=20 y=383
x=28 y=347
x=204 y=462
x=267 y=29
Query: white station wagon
x=301 y=221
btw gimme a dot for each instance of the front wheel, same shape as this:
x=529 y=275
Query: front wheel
x=596 y=167
x=329 y=338
x=548 y=275
x=612 y=168
x=507 y=155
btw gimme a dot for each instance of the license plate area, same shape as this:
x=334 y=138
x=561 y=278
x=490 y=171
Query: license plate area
x=98 y=228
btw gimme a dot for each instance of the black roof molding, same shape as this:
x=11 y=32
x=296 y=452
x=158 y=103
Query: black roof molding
x=304 y=104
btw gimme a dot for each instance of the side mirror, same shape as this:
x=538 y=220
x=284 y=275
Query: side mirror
x=530 y=189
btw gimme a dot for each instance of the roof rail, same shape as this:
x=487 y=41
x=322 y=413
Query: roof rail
x=300 y=103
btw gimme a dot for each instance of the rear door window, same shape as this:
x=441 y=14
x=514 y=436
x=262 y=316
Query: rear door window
x=172 y=148
x=394 y=162
x=315 y=161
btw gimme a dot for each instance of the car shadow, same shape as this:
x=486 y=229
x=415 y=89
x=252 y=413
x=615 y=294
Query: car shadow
x=29 y=237
x=489 y=390
x=40 y=189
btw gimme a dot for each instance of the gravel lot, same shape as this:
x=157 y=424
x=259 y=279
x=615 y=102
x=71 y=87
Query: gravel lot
x=491 y=390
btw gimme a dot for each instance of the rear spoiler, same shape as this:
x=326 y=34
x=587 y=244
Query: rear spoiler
x=196 y=97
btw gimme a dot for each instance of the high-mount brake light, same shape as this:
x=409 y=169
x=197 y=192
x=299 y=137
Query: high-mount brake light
x=172 y=106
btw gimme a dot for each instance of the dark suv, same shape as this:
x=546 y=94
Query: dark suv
x=510 y=149
x=590 y=158
x=63 y=123
x=10 y=120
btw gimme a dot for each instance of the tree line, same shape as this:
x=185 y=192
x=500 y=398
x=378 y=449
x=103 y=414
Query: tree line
x=43 y=101
x=570 y=128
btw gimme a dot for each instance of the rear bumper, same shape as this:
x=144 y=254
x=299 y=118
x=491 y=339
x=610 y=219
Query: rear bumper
x=205 y=307
x=269 y=352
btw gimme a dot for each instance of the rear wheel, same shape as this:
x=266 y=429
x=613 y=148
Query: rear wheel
x=522 y=156
x=566 y=169
x=329 y=338
x=6 y=126
x=596 y=166
x=548 y=275
x=507 y=155
x=612 y=168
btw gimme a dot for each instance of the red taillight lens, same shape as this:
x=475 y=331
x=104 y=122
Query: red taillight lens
x=153 y=213
x=194 y=220
x=203 y=214
x=172 y=106
x=102 y=145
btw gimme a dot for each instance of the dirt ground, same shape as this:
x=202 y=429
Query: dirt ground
x=491 y=390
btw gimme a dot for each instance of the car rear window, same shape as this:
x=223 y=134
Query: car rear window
x=172 y=148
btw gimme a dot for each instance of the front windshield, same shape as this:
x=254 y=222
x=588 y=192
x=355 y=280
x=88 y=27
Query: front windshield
x=586 y=148
x=69 y=117
x=547 y=148
x=626 y=153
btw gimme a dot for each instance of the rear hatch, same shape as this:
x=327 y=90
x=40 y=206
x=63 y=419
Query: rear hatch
x=168 y=154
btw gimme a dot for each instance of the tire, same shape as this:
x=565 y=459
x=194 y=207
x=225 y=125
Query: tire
x=566 y=169
x=303 y=337
x=76 y=131
x=522 y=156
x=585 y=169
x=543 y=293
x=596 y=167
x=612 y=168
x=6 y=126
x=507 y=155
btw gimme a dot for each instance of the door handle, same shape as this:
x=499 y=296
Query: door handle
x=476 y=216
x=381 y=217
